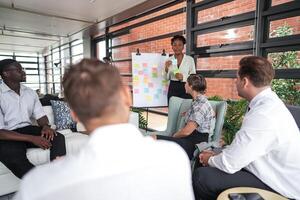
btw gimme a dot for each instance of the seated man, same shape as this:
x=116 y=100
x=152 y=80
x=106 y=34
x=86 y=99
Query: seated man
x=265 y=151
x=118 y=162
x=18 y=104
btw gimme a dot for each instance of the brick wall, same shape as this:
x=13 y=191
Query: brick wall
x=221 y=87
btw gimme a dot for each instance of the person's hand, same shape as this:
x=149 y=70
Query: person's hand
x=40 y=141
x=204 y=157
x=48 y=133
x=167 y=65
x=179 y=76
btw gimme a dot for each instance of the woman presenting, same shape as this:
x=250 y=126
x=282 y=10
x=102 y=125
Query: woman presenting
x=177 y=68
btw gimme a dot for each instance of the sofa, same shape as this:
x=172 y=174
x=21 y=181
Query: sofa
x=74 y=140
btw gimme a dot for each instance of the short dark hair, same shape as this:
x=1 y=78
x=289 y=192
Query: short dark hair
x=258 y=69
x=4 y=64
x=178 y=37
x=91 y=88
x=197 y=83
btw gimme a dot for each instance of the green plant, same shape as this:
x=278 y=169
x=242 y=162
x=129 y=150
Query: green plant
x=142 y=121
x=286 y=89
x=233 y=118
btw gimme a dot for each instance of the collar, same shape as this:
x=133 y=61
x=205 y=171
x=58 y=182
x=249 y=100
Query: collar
x=259 y=96
x=5 y=88
x=122 y=131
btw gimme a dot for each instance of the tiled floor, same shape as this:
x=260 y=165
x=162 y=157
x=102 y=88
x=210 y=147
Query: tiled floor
x=156 y=121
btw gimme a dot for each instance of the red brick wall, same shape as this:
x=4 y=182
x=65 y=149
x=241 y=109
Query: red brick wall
x=221 y=87
x=233 y=35
x=277 y=2
x=225 y=10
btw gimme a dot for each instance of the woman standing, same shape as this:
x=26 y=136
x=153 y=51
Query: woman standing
x=178 y=68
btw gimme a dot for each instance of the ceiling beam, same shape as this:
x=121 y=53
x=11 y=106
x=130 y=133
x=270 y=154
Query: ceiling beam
x=34 y=38
x=12 y=7
x=5 y=28
x=21 y=45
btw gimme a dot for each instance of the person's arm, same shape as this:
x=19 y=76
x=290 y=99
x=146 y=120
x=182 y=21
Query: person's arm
x=167 y=70
x=191 y=68
x=14 y=136
x=187 y=130
x=249 y=144
x=47 y=132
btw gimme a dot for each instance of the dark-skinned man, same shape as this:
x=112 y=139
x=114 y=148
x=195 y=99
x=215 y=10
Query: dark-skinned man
x=18 y=105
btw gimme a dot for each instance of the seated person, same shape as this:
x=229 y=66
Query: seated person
x=265 y=151
x=118 y=162
x=199 y=119
x=18 y=105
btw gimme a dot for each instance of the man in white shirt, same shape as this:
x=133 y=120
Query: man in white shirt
x=18 y=105
x=265 y=151
x=117 y=162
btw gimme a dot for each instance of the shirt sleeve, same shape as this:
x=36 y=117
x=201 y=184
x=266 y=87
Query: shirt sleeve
x=1 y=119
x=196 y=114
x=38 y=110
x=191 y=68
x=250 y=143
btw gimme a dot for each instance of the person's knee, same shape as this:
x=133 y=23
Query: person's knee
x=204 y=177
x=59 y=137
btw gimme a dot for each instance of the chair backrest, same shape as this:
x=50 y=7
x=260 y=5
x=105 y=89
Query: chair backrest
x=177 y=106
x=220 y=108
x=295 y=111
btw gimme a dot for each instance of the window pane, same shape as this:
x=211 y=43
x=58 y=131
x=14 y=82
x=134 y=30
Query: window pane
x=32 y=86
x=101 y=50
x=56 y=56
x=233 y=35
x=65 y=53
x=285 y=27
x=223 y=87
x=219 y=63
x=76 y=59
x=225 y=10
x=26 y=59
x=32 y=79
x=77 y=49
x=285 y=60
x=5 y=57
x=277 y=2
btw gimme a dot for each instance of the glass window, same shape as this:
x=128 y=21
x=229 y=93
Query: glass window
x=32 y=79
x=56 y=56
x=32 y=86
x=218 y=63
x=76 y=42
x=278 y=2
x=78 y=49
x=222 y=87
x=285 y=60
x=65 y=53
x=285 y=27
x=76 y=59
x=101 y=50
x=5 y=57
x=232 y=35
x=226 y=10
x=26 y=59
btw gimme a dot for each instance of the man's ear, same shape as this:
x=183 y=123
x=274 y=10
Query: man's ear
x=74 y=116
x=127 y=99
x=246 y=82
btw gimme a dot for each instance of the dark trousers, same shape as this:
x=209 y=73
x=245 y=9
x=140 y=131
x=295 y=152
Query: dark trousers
x=187 y=143
x=177 y=89
x=209 y=182
x=13 y=153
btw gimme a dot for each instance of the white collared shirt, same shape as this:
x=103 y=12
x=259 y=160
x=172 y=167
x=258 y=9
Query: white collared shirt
x=267 y=145
x=116 y=163
x=187 y=67
x=16 y=111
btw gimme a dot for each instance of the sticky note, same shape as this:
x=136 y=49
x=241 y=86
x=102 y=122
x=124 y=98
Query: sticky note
x=141 y=73
x=148 y=98
x=136 y=91
x=136 y=65
x=154 y=75
x=145 y=65
x=151 y=85
x=146 y=90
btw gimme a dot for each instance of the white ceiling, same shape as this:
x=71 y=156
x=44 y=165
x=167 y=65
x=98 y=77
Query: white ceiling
x=32 y=25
